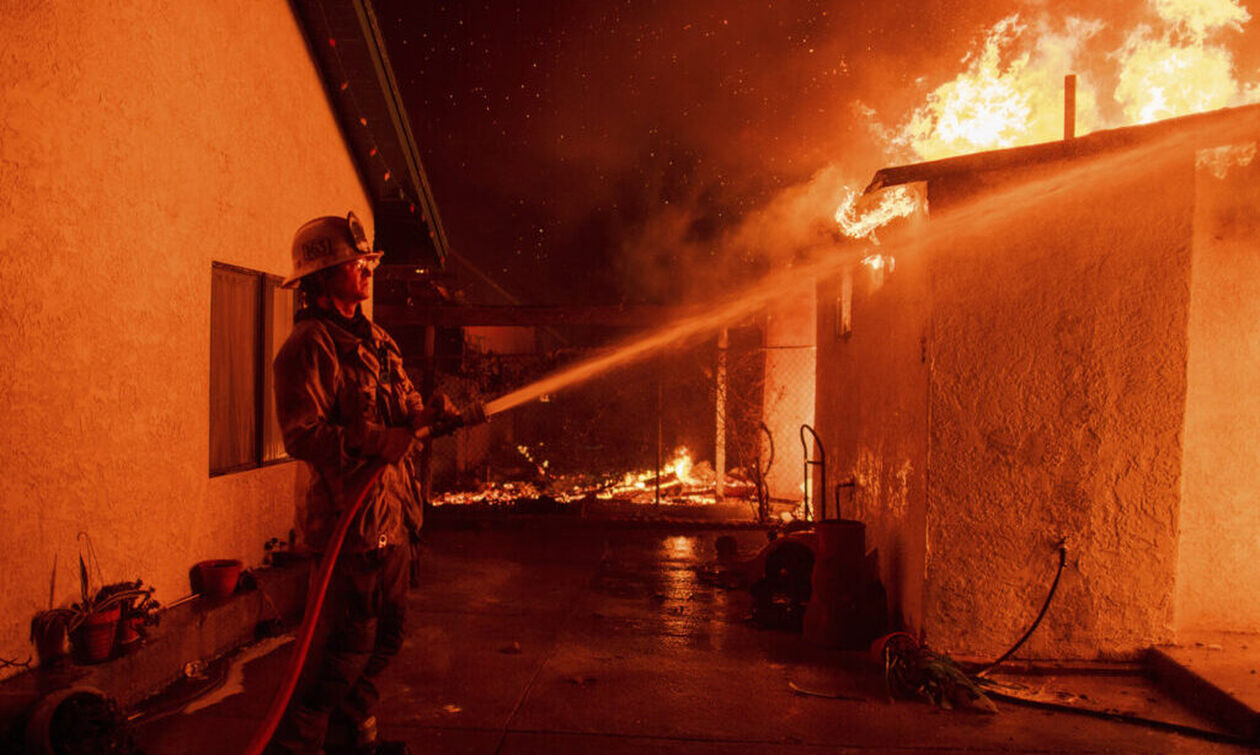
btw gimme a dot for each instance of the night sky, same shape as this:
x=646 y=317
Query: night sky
x=598 y=151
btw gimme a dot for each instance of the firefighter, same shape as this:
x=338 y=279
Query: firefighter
x=344 y=401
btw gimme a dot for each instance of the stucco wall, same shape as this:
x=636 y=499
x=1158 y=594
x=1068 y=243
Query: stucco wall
x=1218 y=568
x=139 y=141
x=872 y=414
x=1058 y=357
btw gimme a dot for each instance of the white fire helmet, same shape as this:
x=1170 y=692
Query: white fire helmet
x=324 y=242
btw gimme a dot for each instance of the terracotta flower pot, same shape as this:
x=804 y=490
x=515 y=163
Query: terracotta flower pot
x=93 y=640
x=895 y=640
x=129 y=630
x=51 y=642
x=218 y=577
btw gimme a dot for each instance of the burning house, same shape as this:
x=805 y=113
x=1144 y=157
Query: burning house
x=1059 y=353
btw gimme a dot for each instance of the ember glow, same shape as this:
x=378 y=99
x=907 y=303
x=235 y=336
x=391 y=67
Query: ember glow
x=682 y=481
x=675 y=473
x=879 y=263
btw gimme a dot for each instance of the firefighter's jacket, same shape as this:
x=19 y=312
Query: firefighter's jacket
x=339 y=383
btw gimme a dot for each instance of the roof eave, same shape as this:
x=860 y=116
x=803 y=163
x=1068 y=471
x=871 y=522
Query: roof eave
x=1093 y=143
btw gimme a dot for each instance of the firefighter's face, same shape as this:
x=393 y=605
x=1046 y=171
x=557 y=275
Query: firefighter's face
x=351 y=281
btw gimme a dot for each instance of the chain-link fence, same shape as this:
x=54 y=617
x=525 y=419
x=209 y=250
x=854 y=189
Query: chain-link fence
x=715 y=420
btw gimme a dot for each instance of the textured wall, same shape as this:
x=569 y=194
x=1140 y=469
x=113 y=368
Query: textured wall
x=872 y=414
x=1058 y=358
x=138 y=142
x=1220 y=512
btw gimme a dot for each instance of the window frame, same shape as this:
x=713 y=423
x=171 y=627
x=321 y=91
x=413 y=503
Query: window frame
x=265 y=347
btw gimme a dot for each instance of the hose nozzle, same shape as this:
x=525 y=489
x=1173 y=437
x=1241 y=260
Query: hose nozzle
x=473 y=414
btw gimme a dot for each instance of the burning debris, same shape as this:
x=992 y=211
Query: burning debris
x=681 y=481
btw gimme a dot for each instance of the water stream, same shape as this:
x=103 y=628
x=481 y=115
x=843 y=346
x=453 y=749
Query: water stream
x=1131 y=164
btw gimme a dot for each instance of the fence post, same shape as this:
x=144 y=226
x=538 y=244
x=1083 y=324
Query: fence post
x=660 y=391
x=428 y=384
x=719 y=442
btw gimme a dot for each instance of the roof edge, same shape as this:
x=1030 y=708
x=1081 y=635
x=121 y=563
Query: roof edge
x=402 y=125
x=1064 y=149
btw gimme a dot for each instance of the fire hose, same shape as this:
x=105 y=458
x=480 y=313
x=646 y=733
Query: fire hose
x=473 y=415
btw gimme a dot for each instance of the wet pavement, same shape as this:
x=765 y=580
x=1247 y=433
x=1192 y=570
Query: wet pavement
x=574 y=637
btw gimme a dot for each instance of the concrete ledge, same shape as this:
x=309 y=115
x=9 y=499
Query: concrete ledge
x=1207 y=688
x=195 y=629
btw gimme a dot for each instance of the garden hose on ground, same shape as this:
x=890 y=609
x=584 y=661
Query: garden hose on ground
x=1037 y=621
x=1006 y=693
x=994 y=689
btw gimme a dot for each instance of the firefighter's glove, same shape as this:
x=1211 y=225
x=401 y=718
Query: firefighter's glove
x=396 y=443
x=439 y=414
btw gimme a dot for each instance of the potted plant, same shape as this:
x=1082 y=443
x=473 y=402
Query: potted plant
x=48 y=633
x=217 y=577
x=91 y=623
x=48 y=628
x=913 y=669
x=138 y=611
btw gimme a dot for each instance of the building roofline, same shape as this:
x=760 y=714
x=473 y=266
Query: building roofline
x=348 y=50
x=1066 y=149
x=402 y=124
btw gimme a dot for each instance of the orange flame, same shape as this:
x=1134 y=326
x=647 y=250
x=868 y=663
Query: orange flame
x=878 y=263
x=1178 y=71
x=1005 y=97
x=1010 y=90
x=896 y=202
x=679 y=468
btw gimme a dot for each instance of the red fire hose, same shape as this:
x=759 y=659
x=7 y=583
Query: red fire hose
x=315 y=599
x=314 y=604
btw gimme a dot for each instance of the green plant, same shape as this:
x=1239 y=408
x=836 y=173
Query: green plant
x=134 y=602
x=911 y=669
x=47 y=626
x=139 y=608
x=123 y=594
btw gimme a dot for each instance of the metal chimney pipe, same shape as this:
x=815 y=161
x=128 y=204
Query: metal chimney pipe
x=1069 y=106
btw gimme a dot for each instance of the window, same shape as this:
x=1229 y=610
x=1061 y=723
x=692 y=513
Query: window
x=250 y=316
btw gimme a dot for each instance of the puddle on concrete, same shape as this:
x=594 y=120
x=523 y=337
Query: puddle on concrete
x=235 y=683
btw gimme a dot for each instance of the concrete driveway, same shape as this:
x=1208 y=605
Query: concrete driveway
x=576 y=637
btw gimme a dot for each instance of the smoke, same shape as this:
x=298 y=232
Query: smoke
x=1006 y=91
x=664 y=151
x=694 y=251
